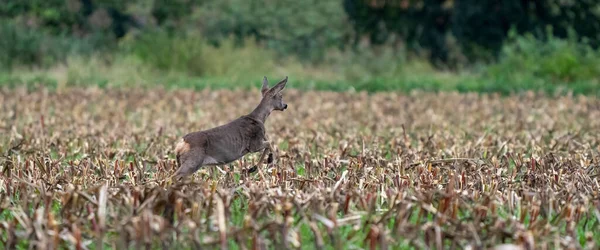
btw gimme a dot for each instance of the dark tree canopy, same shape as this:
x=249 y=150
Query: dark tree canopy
x=308 y=28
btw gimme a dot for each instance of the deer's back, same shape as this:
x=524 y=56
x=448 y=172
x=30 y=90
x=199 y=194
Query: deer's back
x=228 y=142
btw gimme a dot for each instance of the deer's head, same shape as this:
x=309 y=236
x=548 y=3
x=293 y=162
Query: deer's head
x=272 y=97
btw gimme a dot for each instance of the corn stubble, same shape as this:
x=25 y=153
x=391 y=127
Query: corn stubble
x=88 y=168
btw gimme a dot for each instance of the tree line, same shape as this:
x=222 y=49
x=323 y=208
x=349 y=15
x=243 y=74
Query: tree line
x=436 y=28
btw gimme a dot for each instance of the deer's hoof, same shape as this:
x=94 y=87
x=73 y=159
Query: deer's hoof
x=252 y=169
x=270 y=158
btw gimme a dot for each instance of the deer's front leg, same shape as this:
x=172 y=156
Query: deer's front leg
x=267 y=150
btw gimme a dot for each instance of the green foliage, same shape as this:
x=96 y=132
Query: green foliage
x=18 y=45
x=309 y=29
x=552 y=61
x=56 y=16
x=22 y=46
x=192 y=55
x=167 y=52
x=170 y=12
x=422 y=25
x=526 y=63
x=486 y=24
x=233 y=43
x=480 y=27
x=304 y=28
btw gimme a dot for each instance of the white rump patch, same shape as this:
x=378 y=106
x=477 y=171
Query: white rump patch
x=182 y=147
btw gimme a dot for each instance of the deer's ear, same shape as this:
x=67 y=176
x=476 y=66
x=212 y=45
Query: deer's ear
x=279 y=86
x=265 y=86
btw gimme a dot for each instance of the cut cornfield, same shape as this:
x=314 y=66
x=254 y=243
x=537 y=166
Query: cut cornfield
x=87 y=168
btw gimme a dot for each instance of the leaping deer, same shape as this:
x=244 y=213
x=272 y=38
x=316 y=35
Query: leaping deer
x=229 y=142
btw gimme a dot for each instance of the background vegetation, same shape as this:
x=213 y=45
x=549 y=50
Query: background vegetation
x=465 y=45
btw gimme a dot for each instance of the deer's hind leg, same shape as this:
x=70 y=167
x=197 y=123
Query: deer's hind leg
x=190 y=162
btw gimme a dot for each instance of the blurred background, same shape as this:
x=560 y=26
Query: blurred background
x=375 y=45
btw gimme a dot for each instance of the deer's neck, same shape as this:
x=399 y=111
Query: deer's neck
x=261 y=112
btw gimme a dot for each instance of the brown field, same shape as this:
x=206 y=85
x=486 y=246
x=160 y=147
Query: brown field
x=87 y=168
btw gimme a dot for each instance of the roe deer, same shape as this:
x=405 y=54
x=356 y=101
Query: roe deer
x=231 y=141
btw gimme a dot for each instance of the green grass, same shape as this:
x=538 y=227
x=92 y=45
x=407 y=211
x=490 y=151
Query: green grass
x=427 y=83
x=555 y=66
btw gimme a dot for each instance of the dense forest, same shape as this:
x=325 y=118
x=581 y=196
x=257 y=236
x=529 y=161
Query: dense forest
x=305 y=28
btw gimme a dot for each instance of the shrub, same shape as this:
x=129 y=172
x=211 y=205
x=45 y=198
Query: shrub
x=21 y=46
x=164 y=51
x=303 y=28
x=192 y=55
x=554 y=60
